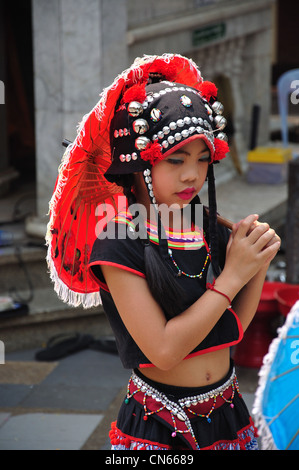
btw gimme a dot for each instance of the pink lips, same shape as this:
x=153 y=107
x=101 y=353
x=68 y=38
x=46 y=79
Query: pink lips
x=186 y=194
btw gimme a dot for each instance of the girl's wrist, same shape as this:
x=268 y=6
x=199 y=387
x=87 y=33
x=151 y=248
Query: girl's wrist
x=228 y=284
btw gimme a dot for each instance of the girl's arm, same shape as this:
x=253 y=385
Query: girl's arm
x=167 y=343
x=246 y=301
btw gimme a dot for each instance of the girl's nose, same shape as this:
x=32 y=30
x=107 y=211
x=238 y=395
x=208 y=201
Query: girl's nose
x=189 y=173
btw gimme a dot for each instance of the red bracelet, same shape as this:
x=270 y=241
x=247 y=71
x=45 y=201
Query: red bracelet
x=212 y=287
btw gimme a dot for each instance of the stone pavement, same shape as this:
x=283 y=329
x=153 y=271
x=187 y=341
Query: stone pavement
x=68 y=404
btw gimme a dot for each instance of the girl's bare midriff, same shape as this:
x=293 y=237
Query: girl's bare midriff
x=197 y=371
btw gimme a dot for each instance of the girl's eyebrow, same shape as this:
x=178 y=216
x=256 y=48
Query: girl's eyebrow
x=180 y=152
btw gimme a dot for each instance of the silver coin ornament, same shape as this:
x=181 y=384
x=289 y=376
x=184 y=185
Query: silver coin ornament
x=218 y=107
x=135 y=109
x=220 y=122
x=140 y=126
x=141 y=142
x=222 y=136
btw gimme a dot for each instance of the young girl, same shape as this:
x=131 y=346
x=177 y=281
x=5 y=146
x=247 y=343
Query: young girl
x=177 y=298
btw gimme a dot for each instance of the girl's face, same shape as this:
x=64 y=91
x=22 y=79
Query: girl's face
x=180 y=176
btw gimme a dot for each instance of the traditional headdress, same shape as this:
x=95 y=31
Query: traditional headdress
x=157 y=105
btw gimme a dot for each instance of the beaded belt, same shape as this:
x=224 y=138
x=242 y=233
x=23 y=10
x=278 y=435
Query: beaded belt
x=178 y=414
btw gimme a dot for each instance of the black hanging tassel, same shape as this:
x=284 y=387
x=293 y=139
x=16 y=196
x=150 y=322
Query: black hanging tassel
x=213 y=231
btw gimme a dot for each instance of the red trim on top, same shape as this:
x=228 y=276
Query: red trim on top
x=186 y=141
x=212 y=348
x=117 y=265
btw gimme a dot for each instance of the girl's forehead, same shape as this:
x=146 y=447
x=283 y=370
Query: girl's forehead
x=197 y=145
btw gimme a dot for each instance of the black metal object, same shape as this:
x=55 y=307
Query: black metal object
x=66 y=142
x=292 y=225
x=255 y=119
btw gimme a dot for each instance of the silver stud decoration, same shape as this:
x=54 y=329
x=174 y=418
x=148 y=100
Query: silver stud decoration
x=140 y=126
x=141 y=142
x=128 y=157
x=156 y=115
x=186 y=101
x=218 y=107
x=185 y=133
x=135 y=109
x=121 y=133
x=148 y=181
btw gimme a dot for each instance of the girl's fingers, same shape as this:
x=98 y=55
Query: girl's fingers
x=275 y=239
x=243 y=227
x=260 y=241
x=270 y=252
x=258 y=231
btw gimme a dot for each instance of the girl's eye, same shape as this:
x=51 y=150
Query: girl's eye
x=174 y=161
x=205 y=158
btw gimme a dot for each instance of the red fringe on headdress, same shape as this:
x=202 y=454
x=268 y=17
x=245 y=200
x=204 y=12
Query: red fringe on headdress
x=168 y=70
x=135 y=93
x=208 y=90
x=152 y=153
x=221 y=149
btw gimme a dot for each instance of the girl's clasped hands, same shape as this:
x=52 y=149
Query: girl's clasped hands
x=251 y=248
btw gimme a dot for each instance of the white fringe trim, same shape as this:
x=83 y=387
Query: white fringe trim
x=72 y=298
x=267 y=440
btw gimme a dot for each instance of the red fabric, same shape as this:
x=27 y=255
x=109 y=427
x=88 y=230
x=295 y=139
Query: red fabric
x=221 y=149
x=152 y=153
x=135 y=93
x=208 y=90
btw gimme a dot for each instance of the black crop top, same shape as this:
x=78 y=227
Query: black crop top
x=189 y=252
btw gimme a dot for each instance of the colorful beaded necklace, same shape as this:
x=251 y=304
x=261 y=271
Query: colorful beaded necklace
x=182 y=273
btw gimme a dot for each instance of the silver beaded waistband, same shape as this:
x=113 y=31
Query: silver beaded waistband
x=186 y=401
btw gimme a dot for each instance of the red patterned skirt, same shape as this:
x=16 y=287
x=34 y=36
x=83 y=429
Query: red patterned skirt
x=156 y=416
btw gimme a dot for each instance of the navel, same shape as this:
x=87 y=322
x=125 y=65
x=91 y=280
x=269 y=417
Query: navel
x=208 y=376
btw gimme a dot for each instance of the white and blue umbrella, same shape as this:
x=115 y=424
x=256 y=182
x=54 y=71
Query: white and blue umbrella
x=276 y=406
